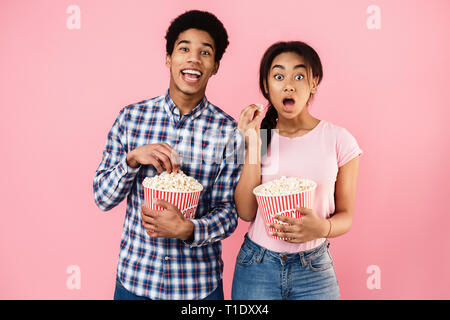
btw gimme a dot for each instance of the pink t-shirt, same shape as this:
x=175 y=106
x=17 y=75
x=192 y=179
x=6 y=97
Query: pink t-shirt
x=317 y=155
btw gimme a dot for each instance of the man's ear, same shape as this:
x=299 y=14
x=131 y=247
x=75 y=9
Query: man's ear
x=168 y=60
x=216 y=67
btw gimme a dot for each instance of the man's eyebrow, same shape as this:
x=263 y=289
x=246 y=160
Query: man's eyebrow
x=283 y=68
x=206 y=44
x=183 y=41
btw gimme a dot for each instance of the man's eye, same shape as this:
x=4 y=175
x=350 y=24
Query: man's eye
x=205 y=53
x=279 y=77
x=299 y=77
x=184 y=49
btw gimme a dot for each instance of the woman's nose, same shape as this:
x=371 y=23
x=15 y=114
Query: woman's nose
x=289 y=88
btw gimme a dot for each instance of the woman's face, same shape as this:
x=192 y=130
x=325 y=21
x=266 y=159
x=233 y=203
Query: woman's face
x=290 y=84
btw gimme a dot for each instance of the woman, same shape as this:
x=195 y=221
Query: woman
x=301 y=267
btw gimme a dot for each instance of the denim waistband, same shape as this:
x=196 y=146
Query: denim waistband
x=286 y=257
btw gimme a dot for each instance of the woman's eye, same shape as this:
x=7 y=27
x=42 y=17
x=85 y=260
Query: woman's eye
x=279 y=77
x=299 y=77
x=184 y=49
x=205 y=53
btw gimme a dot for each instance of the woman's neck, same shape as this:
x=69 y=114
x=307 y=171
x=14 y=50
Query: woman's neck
x=304 y=122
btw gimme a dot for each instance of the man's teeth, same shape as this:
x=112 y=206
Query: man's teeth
x=198 y=73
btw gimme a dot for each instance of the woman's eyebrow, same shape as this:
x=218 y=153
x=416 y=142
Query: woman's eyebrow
x=278 y=66
x=300 y=66
x=283 y=68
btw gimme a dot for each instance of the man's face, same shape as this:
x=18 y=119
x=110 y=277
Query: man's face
x=192 y=63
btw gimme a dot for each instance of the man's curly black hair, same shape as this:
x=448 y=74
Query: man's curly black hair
x=201 y=20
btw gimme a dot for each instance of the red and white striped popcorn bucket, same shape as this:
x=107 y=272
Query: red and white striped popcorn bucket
x=272 y=205
x=185 y=201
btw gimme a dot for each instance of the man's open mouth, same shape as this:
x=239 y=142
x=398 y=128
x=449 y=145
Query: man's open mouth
x=191 y=74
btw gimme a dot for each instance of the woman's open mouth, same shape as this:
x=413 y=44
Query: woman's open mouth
x=191 y=75
x=288 y=104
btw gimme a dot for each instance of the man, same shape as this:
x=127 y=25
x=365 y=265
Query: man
x=164 y=255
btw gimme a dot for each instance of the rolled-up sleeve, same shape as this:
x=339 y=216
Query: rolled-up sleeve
x=221 y=221
x=113 y=178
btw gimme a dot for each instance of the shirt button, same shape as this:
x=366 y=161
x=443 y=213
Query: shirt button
x=166 y=258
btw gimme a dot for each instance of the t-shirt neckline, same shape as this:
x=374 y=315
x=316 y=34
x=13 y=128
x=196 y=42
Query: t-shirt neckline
x=302 y=136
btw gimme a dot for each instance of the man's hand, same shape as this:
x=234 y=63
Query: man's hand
x=169 y=223
x=159 y=155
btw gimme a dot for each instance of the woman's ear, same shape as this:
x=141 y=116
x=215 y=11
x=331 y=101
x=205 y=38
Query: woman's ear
x=266 y=91
x=314 y=84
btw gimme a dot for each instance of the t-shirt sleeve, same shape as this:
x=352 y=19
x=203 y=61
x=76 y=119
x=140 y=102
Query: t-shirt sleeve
x=347 y=147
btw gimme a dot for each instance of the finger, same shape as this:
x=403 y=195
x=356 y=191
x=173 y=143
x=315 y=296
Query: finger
x=148 y=219
x=176 y=160
x=286 y=219
x=164 y=159
x=282 y=227
x=151 y=213
x=165 y=146
x=152 y=233
x=155 y=163
x=150 y=226
x=163 y=203
x=172 y=156
x=248 y=112
x=304 y=210
x=257 y=110
x=255 y=121
x=145 y=210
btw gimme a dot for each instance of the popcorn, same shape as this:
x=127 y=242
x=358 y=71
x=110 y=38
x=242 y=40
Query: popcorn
x=281 y=197
x=284 y=186
x=174 y=181
x=176 y=188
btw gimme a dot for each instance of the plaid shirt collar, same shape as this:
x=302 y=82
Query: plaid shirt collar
x=174 y=113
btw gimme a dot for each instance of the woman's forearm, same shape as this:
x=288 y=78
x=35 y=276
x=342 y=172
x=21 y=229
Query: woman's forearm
x=341 y=223
x=250 y=178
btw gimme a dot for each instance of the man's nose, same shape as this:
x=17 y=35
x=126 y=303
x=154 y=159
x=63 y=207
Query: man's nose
x=194 y=57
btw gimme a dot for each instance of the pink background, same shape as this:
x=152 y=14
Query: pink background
x=61 y=90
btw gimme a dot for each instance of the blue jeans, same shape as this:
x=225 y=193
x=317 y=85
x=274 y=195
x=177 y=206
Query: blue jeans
x=261 y=274
x=121 y=293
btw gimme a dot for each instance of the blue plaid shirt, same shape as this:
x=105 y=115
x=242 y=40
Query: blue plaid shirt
x=211 y=151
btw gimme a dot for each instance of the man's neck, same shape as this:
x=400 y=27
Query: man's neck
x=184 y=102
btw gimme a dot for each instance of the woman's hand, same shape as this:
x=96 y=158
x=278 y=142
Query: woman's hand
x=249 y=120
x=306 y=228
x=248 y=125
